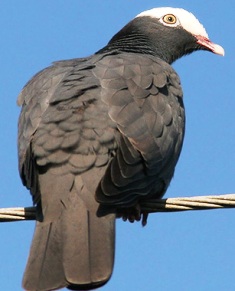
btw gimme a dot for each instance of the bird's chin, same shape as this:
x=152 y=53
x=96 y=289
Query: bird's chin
x=209 y=45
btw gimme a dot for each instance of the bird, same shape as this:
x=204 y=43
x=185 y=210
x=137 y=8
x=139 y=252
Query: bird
x=98 y=136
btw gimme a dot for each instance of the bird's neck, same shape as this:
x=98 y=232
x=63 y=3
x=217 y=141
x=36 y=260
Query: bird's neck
x=135 y=43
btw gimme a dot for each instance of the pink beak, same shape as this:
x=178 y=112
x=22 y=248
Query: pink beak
x=215 y=48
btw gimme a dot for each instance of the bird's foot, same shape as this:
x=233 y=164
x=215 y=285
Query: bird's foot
x=133 y=214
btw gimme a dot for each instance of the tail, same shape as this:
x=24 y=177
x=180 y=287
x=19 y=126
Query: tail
x=73 y=248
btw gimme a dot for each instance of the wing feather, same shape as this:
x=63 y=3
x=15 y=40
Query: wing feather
x=144 y=98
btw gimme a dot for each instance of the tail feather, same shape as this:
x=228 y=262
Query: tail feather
x=87 y=257
x=74 y=250
x=44 y=270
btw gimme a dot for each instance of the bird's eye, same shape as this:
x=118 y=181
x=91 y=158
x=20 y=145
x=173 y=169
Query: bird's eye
x=169 y=19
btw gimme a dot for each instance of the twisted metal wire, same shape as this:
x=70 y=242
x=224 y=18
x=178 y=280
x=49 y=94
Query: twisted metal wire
x=152 y=206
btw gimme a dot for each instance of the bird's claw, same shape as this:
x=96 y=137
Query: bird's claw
x=133 y=214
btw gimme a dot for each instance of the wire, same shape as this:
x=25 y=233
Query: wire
x=152 y=206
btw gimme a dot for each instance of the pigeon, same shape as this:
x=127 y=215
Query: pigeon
x=98 y=136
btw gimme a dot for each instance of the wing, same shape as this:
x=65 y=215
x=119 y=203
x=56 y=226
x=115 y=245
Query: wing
x=144 y=98
x=63 y=122
x=34 y=99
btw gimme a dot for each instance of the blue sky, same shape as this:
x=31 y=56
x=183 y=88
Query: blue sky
x=177 y=251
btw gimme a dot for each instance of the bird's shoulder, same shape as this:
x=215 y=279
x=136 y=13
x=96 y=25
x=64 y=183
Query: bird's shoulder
x=142 y=69
x=143 y=94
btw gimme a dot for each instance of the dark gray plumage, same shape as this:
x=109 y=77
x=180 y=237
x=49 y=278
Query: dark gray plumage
x=96 y=137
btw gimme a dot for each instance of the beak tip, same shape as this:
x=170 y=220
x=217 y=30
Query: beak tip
x=217 y=49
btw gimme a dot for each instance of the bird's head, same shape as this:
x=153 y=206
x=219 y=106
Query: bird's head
x=166 y=32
